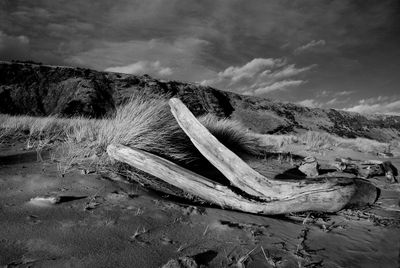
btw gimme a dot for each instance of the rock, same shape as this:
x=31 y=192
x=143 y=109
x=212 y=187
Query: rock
x=368 y=169
x=309 y=166
x=384 y=155
x=91 y=205
x=87 y=171
x=44 y=201
x=391 y=172
x=182 y=262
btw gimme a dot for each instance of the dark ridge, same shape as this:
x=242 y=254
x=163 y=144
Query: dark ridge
x=36 y=89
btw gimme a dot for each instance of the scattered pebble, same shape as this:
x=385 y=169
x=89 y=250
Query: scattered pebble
x=92 y=205
x=44 y=201
x=309 y=166
x=182 y=262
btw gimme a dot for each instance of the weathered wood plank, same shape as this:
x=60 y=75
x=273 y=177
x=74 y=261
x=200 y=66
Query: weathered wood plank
x=330 y=200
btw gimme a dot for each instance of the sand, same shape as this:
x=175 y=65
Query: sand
x=85 y=220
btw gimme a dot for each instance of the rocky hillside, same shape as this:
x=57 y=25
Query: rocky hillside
x=44 y=90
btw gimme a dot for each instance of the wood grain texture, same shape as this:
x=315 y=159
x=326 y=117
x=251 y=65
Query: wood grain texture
x=248 y=180
x=210 y=191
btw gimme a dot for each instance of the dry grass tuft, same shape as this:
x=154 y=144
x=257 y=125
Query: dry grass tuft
x=233 y=135
x=147 y=124
x=317 y=140
x=39 y=132
x=142 y=123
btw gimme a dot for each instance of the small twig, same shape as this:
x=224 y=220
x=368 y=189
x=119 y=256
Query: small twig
x=205 y=231
x=138 y=233
x=139 y=211
x=240 y=263
x=305 y=220
x=268 y=259
x=181 y=248
x=96 y=193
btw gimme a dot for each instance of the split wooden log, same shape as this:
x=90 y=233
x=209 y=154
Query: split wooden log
x=251 y=192
x=368 y=169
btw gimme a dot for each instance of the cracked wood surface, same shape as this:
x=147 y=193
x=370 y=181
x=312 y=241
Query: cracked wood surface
x=253 y=183
x=221 y=195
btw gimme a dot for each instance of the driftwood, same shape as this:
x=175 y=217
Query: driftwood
x=368 y=169
x=249 y=191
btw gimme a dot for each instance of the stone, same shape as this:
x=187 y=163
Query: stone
x=182 y=262
x=391 y=172
x=309 y=166
x=384 y=154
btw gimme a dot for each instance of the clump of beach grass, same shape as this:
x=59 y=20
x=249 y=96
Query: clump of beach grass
x=233 y=135
x=147 y=124
x=38 y=131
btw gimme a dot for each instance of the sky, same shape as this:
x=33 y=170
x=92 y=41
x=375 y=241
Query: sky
x=317 y=53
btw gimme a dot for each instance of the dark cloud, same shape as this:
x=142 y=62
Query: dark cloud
x=353 y=43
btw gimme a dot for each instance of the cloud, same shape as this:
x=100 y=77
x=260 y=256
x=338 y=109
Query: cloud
x=179 y=55
x=344 y=93
x=335 y=94
x=314 y=103
x=332 y=101
x=380 y=105
x=280 y=85
x=259 y=76
x=199 y=39
x=13 y=47
x=310 y=103
x=310 y=46
x=250 y=70
x=143 y=67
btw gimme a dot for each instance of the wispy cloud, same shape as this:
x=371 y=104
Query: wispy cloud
x=280 y=85
x=259 y=76
x=379 y=105
x=309 y=46
x=344 y=93
x=322 y=103
x=143 y=67
x=311 y=103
